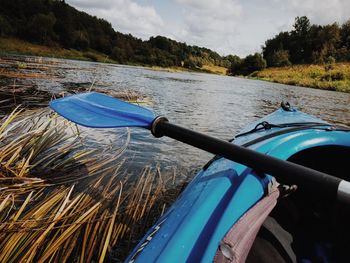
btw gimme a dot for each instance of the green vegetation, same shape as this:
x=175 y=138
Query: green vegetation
x=309 y=55
x=248 y=65
x=309 y=44
x=305 y=44
x=70 y=33
x=330 y=76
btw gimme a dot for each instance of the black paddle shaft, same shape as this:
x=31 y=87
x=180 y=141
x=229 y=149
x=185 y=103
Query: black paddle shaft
x=314 y=180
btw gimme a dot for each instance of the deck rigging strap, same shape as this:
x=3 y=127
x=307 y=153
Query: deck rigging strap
x=289 y=127
x=293 y=128
x=267 y=126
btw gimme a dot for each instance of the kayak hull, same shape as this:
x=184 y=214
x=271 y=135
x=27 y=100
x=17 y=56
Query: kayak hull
x=223 y=191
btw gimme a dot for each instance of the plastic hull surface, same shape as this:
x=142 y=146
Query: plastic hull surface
x=191 y=229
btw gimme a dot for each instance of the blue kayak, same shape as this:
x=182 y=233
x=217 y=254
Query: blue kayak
x=218 y=200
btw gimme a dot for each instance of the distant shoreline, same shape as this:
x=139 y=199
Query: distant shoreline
x=14 y=46
x=335 y=77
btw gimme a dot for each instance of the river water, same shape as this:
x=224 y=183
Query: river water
x=216 y=105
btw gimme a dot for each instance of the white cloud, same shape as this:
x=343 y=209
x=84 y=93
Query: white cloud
x=125 y=15
x=321 y=12
x=219 y=9
x=210 y=23
x=87 y=4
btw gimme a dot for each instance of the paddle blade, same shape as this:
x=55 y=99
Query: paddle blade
x=97 y=110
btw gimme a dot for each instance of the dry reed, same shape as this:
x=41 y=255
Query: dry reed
x=63 y=202
x=31 y=97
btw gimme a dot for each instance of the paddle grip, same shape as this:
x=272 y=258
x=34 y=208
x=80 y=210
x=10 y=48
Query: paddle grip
x=285 y=171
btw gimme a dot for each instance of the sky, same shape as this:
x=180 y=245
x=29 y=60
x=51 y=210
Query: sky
x=238 y=27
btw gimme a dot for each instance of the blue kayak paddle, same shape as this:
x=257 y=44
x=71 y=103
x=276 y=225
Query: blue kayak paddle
x=96 y=110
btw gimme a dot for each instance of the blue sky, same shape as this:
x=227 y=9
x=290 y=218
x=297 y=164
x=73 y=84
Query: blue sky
x=226 y=26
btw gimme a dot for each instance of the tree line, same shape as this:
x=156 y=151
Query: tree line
x=305 y=44
x=55 y=23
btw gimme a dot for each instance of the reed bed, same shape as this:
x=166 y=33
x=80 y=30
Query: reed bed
x=61 y=201
x=21 y=78
x=31 y=97
x=20 y=94
x=24 y=75
x=124 y=94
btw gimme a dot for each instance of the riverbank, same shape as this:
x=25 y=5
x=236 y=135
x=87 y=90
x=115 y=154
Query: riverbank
x=329 y=77
x=20 y=47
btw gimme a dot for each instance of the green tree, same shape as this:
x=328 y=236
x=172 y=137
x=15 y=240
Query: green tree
x=254 y=62
x=235 y=64
x=280 y=58
x=40 y=28
x=80 y=40
x=64 y=26
x=301 y=25
x=162 y=43
x=119 y=54
x=190 y=64
x=326 y=42
x=281 y=41
x=308 y=43
x=300 y=42
x=228 y=60
x=249 y=64
x=345 y=34
x=5 y=26
x=343 y=53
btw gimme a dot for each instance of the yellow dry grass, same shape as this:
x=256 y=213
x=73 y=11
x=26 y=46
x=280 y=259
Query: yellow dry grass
x=205 y=68
x=215 y=69
x=331 y=77
x=63 y=202
x=24 y=75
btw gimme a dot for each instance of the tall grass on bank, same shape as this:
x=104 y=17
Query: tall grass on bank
x=17 y=46
x=330 y=77
x=63 y=202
